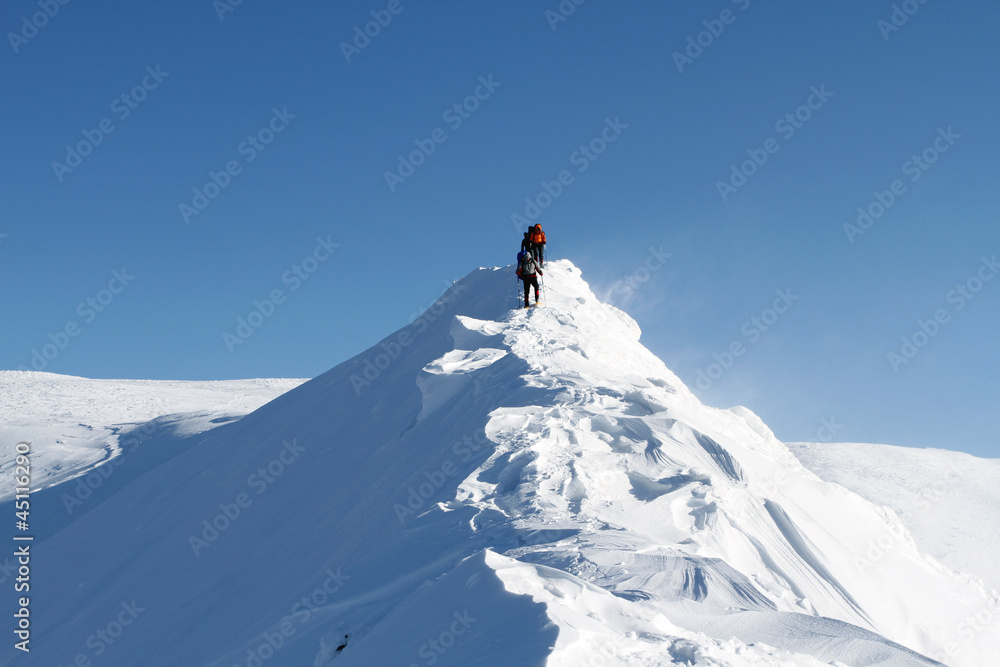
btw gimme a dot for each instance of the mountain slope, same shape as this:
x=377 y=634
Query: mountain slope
x=949 y=501
x=540 y=472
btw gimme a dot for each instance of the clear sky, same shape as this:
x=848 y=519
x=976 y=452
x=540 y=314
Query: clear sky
x=211 y=153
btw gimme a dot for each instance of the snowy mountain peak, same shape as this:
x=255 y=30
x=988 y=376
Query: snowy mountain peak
x=493 y=485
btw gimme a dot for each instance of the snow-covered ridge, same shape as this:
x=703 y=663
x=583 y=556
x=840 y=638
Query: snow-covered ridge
x=510 y=487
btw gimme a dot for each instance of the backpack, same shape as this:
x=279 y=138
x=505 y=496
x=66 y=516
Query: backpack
x=525 y=264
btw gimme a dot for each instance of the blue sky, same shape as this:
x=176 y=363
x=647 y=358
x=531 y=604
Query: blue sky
x=288 y=135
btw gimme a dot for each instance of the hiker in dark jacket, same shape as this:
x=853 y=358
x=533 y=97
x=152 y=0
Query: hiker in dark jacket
x=528 y=271
x=526 y=242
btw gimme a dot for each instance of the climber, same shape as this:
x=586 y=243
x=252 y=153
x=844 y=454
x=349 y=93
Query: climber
x=528 y=271
x=537 y=237
x=526 y=242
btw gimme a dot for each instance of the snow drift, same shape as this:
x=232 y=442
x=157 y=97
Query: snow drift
x=496 y=487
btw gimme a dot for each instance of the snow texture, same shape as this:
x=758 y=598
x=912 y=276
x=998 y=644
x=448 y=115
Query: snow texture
x=492 y=487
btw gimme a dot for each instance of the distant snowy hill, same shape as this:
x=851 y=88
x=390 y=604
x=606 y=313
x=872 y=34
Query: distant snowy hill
x=949 y=501
x=489 y=487
x=74 y=423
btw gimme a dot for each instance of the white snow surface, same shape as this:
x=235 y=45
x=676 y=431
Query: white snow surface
x=949 y=501
x=74 y=423
x=491 y=487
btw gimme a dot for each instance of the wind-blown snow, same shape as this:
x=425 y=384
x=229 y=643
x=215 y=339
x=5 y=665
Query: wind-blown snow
x=495 y=487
